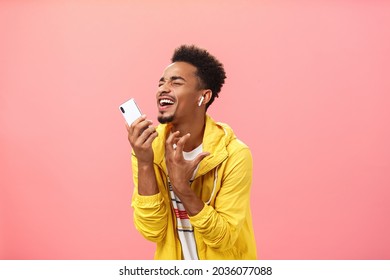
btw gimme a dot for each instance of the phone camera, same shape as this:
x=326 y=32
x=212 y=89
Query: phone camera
x=123 y=110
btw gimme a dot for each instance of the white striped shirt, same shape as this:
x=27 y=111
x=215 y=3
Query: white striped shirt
x=184 y=228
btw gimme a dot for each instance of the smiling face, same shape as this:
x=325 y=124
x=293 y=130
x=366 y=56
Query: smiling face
x=178 y=93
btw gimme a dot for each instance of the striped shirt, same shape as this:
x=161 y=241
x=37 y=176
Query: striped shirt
x=184 y=228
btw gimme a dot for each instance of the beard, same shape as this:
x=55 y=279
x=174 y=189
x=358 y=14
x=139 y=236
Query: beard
x=165 y=119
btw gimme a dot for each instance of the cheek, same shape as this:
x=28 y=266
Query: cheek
x=183 y=104
x=186 y=99
x=157 y=94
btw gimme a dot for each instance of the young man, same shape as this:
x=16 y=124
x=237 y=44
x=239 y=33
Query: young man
x=192 y=176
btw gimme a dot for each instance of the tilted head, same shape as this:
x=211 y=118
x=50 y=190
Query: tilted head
x=209 y=70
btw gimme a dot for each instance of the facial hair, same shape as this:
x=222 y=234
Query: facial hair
x=165 y=119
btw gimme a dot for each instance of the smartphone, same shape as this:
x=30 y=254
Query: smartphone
x=130 y=111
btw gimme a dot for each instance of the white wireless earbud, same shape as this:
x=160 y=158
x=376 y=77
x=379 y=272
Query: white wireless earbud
x=201 y=100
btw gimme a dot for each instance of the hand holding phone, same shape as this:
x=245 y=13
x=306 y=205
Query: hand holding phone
x=140 y=135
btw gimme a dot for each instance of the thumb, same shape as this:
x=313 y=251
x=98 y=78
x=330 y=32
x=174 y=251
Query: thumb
x=200 y=157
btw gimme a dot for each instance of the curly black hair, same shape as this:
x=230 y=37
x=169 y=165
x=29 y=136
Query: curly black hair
x=210 y=71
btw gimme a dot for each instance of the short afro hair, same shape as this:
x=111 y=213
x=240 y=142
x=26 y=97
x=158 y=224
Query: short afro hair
x=210 y=71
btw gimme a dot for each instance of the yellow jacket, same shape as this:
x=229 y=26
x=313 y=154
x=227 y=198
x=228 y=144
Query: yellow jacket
x=223 y=228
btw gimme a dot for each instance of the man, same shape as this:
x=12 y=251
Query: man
x=192 y=176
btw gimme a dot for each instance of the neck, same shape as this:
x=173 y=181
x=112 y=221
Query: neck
x=195 y=128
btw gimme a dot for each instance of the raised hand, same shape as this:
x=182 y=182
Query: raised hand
x=180 y=170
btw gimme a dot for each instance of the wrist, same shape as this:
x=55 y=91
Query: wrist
x=145 y=164
x=182 y=189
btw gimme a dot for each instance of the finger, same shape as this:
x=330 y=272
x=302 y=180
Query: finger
x=139 y=128
x=134 y=128
x=170 y=141
x=180 y=144
x=137 y=121
x=150 y=139
x=145 y=135
x=172 y=137
x=200 y=157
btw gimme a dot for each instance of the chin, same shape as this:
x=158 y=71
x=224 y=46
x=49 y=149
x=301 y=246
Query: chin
x=165 y=119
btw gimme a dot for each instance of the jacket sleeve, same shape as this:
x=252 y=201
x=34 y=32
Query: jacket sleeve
x=150 y=213
x=221 y=225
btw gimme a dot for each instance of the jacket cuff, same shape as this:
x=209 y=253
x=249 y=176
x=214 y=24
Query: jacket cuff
x=147 y=201
x=202 y=217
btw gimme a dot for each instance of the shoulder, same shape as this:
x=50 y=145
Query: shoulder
x=233 y=144
x=239 y=162
x=238 y=151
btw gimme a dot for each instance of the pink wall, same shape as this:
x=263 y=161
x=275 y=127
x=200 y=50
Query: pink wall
x=308 y=90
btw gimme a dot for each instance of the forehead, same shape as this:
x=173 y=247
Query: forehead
x=181 y=69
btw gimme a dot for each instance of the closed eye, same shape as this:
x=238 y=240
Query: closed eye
x=174 y=80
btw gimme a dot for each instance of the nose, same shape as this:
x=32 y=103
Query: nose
x=164 y=88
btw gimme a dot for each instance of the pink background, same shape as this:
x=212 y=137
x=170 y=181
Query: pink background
x=308 y=90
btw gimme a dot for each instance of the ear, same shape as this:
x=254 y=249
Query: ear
x=207 y=93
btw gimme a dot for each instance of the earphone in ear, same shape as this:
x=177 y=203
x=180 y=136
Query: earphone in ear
x=200 y=101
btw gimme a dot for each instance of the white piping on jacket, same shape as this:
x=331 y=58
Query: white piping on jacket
x=216 y=174
x=215 y=185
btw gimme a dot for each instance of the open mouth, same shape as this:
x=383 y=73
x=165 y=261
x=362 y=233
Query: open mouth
x=164 y=102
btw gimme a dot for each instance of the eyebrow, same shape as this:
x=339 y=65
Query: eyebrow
x=173 y=78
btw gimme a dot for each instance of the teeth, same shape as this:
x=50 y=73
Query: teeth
x=165 y=101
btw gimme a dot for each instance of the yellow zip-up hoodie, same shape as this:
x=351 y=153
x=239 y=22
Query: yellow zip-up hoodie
x=223 y=228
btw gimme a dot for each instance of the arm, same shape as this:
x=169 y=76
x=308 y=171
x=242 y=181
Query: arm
x=149 y=209
x=150 y=213
x=141 y=135
x=221 y=225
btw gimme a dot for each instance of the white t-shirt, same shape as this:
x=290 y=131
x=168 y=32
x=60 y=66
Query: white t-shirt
x=184 y=228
